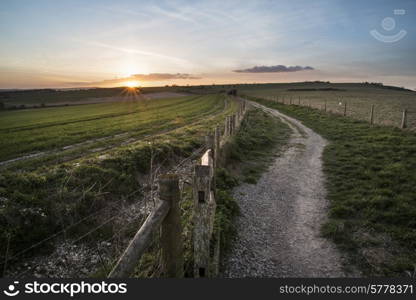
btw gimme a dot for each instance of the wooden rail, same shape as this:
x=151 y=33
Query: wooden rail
x=140 y=242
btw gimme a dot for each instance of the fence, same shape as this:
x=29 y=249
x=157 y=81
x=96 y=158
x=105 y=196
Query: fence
x=166 y=216
x=374 y=114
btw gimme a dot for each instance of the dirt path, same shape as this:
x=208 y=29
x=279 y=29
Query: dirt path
x=279 y=226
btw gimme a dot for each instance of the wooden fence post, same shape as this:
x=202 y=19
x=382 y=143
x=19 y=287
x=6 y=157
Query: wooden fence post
x=404 y=119
x=217 y=139
x=299 y=101
x=345 y=108
x=325 y=106
x=225 y=127
x=372 y=114
x=171 y=229
x=232 y=124
x=211 y=144
x=203 y=201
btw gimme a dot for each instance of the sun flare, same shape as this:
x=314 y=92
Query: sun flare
x=131 y=84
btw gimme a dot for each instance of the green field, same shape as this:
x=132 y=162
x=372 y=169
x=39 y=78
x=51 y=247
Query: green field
x=389 y=103
x=31 y=98
x=85 y=186
x=33 y=130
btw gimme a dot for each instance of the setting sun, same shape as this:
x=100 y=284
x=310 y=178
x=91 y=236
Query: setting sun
x=131 y=84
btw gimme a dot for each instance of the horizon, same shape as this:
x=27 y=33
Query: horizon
x=196 y=85
x=105 y=44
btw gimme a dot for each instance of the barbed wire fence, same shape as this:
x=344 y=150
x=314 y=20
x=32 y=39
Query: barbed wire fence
x=117 y=210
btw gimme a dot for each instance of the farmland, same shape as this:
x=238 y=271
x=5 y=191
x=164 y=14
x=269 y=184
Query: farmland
x=82 y=166
x=388 y=102
x=29 y=131
x=102 y=175
x=52 y=97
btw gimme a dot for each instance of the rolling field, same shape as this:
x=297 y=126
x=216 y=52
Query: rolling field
x=388 y=103
x=48 y=97
x=27 y=131
x=96 y=168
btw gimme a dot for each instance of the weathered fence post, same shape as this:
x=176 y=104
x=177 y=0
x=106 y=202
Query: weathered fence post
x=325 y=106
x=204 y=206
x=226 y=127
x=211 y=144
x=372 y=114
x=404 y=119
x=232 y=120
x=171 y=229
x=345 y=108
x=217 y=139
x=299 y=101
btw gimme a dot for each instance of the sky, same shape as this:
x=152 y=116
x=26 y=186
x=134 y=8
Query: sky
x=78 y=43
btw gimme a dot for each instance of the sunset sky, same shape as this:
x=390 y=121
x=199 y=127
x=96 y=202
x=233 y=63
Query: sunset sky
x=79 y=43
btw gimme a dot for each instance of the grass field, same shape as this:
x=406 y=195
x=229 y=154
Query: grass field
x=31 y=98
x=388 y=103
x=370 y=176
x=27 y=131
x=92 y=188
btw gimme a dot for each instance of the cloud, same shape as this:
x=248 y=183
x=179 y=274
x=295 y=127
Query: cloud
x=162 y=76
x=274 y=69
x=136 y=51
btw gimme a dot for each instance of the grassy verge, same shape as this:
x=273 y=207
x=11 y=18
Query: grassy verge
x=255 y=145
x=371 y=177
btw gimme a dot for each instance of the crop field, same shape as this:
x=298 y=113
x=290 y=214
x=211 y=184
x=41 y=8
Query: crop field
x=389 y=103
x=49 y=97
x=95 y=167
x=24 y=132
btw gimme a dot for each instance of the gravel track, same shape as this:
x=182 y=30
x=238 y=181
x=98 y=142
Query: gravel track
x=279 y=226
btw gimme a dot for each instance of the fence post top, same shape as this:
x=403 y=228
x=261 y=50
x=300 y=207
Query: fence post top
x=168 y=186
